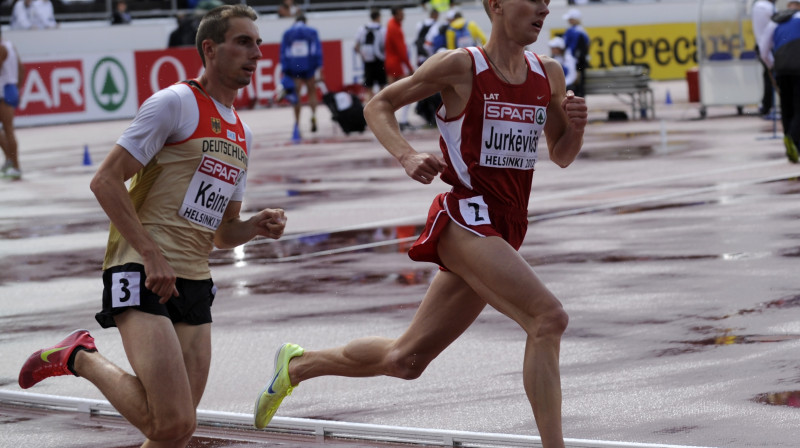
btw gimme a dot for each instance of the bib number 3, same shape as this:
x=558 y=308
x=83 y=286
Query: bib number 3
x=125 y=289
x=474 y=211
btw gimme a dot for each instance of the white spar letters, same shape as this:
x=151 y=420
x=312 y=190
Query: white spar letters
x=63 y=80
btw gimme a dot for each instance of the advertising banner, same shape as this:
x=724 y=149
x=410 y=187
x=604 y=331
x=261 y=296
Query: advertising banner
x=669 y=49
x=99 y=87
x=84 y=88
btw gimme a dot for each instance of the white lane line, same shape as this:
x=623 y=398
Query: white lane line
x=325 y=428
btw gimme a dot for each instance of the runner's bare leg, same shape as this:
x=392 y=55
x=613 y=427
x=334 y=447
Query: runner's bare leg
x=158 y=399
x=500 y=275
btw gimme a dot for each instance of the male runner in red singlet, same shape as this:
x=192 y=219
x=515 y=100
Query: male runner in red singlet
x=186 y=152
x=497 y=102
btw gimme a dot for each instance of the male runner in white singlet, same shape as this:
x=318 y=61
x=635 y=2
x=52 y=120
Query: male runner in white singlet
x=497 y=102
x=186 y=152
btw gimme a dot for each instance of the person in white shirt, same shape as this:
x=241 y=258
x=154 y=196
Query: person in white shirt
x=21 y=15
x=760 y=15
x=564 y=58
x=43 y=15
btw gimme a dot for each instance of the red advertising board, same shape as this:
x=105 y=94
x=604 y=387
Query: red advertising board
x=157 y=69
x=96 y=86
x=52 y=88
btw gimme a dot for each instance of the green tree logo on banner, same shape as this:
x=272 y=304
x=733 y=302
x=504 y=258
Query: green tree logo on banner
x=109 y=84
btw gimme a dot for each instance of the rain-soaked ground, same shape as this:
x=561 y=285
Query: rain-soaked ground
x=673 y=243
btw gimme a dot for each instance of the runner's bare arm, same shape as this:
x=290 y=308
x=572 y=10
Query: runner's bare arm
x=448 y=73
x=108 y=186
x=566 y=117
x=233 y=232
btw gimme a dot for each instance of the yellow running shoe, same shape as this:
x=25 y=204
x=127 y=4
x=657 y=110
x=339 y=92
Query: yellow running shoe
x=279 y=388
x=791 y=149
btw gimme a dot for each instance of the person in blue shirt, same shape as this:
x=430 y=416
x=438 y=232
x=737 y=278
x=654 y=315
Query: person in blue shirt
x=301 y=58
x=576 y=41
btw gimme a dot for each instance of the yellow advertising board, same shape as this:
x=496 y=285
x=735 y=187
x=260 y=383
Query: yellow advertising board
x=669 y=49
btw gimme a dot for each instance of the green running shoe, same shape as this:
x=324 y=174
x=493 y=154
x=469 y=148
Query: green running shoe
x=279 y=388
x=791 y=149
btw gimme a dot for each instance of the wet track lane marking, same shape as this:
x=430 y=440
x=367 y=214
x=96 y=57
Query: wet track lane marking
x=547 y=216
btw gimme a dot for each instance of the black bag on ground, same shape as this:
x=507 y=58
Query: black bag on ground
x=347 y=110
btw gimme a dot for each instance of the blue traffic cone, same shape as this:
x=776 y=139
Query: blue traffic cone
x=87 y=158
x=296 y=134
x=669 y=98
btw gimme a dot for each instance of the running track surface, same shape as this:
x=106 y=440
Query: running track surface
x=673 y=244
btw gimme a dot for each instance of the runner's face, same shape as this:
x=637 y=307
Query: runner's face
x=239 y=54
x=524 y=18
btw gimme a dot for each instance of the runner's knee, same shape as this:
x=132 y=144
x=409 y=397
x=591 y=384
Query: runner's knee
x=406 y=366
x=176 y=428
x=552 y=323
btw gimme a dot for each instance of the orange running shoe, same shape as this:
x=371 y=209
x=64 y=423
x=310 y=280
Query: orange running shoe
x=53 y=361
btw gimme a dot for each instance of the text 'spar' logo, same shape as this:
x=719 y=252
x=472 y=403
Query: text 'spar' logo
x=109 y=84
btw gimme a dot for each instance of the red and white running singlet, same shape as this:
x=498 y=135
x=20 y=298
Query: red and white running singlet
x=490 y=150
x=498 y=161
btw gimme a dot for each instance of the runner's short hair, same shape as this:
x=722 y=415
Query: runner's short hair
x=216 y=22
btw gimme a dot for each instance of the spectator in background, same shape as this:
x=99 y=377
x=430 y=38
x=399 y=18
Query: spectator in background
x=457 y=32
x=557 y=52
x=576 y=40
x=185 y=34
x=426 y=108
x=370 y=45
x=438 y=5
x=462 y=33
x=301 y=58
x=287 y=8
x=22 y=15
x=398 y=64
x=423 y=28
x=434 y=40
x=121 y=15
x=761 y=14
x=43 y=15
x=779 y=45
x=11 y=75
